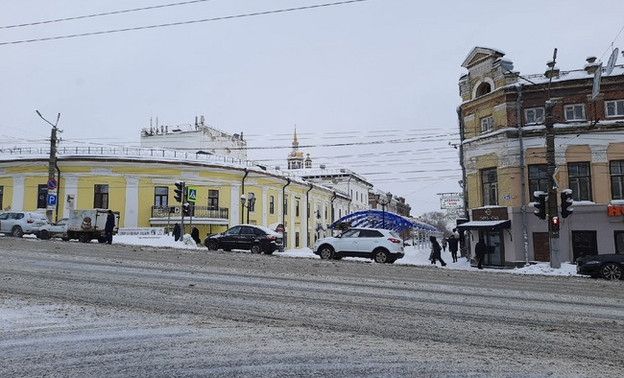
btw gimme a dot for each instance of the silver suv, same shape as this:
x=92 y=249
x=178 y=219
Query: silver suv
x=383 y=246
x=18 y=223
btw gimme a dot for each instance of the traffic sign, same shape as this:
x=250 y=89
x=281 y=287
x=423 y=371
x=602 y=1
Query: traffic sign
x=51 y=200
x=52 y=183
x=191 y=195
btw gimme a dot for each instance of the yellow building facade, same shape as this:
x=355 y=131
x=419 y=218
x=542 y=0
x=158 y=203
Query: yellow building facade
x=140 y=183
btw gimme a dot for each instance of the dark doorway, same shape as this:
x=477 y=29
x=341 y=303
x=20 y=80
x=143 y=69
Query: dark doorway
x=541 y=246
x=584 y=243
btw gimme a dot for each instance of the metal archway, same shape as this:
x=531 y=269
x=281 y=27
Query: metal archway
x=382 y=219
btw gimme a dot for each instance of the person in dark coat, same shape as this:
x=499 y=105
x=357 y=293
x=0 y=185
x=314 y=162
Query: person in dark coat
x=109 y=227
x=436 y=251
x=177 y=232
x=480 y=251
x=195 y=235
x=453 y=244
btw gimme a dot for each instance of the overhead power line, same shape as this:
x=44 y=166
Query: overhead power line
x=100 y=14
x=222 y=18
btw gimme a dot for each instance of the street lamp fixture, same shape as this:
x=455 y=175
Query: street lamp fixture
x=383 y=202
x=250 y=203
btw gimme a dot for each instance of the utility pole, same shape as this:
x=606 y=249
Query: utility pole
x=553 y=211
x=52 y=197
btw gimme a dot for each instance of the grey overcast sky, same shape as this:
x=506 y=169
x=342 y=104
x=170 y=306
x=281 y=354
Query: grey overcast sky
x=378 y=78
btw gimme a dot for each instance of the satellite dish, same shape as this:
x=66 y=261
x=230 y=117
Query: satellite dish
x=611 y=62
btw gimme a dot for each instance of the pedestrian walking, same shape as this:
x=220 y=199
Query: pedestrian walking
x=444 y=244
x=480 y=250
x=177 y=232
x=453 y=244
x=109 y=227
x=195 y=235
x=436 y=251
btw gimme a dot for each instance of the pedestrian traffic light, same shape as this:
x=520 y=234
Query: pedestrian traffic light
x=186 y=208
x=179 y=191
x=554 y=221
x=540 y=204
x=566 y=202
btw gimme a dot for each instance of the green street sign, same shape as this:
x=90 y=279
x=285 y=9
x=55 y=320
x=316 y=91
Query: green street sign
x=191 y=194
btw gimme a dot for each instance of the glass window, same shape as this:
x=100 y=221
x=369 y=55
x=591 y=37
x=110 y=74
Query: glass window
x=252 y=202
x=1 y=196
x=575 y=112
x=296 y=208
x=487 y=124
x=580 y=181
x=538 y=178
x=615 y=108
x=617 y=179
x=42 y=196
x=161 y=196
x=490 y=186
x=213 y=199
x=100 y=198
x=534 y=115
x=271 y=205
x=619 y=242
x=285 y=205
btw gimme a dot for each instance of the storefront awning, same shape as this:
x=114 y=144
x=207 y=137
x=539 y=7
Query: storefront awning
x=485 y=225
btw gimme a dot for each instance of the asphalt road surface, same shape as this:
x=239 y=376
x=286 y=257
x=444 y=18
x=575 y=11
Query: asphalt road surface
x=88 y=310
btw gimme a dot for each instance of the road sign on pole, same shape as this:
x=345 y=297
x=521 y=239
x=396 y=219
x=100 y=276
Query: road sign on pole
x=191 y=195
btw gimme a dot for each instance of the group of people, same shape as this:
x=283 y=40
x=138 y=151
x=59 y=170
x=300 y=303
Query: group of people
x=177 y=233
x=436 y=250
x=453 y=245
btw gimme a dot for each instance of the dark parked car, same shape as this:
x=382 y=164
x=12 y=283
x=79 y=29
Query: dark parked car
x=610 y=267
x=256 y=239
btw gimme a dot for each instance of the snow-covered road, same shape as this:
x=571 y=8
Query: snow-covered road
x=70 y=309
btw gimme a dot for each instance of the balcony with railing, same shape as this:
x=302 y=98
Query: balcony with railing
x=199 y=215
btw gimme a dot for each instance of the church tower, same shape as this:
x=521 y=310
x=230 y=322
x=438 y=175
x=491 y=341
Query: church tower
x=295 y=157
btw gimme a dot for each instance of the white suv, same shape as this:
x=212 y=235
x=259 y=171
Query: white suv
x=383 y=246
x=18 y=223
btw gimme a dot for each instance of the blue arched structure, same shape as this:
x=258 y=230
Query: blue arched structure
x=382 y=219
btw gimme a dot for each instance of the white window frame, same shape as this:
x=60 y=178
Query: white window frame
x=572 y=110
x=533 y=116
x=617 y=108
x=487 y=124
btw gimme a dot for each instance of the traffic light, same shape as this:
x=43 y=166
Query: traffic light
x=186 y=208
x=566 y=202
x=540 y=204
x=179 y=191
x=554 y=221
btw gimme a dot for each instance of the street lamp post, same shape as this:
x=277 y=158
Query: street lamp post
x=383 y=203
x=51 y=164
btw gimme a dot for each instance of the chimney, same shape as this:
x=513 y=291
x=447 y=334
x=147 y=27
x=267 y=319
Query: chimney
x=591 y=65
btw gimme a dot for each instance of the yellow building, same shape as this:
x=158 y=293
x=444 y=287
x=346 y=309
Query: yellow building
x=140 y=183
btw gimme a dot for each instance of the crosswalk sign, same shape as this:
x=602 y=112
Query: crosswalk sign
x=191 y=194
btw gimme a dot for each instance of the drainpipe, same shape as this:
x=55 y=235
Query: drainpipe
x=308 y=215
x=525 y=236
x=332 y=206
x=284 y=200
x=461 y=161
x=243 y=190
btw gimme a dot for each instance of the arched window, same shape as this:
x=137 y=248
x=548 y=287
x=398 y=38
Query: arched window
x=483 y=88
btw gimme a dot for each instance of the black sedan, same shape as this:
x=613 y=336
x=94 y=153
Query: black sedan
x=610 y=267
x=256 y=239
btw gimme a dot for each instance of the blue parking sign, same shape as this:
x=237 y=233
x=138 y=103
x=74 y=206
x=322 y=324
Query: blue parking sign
x=51 y=199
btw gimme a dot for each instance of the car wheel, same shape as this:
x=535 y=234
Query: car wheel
x=212 y=245
x=611 y=271
x=17 y=232
x=255 y=248
x=44 y=234
x=381 y=256
x=327 y=252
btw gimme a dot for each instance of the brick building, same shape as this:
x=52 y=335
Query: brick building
x=503 y=157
